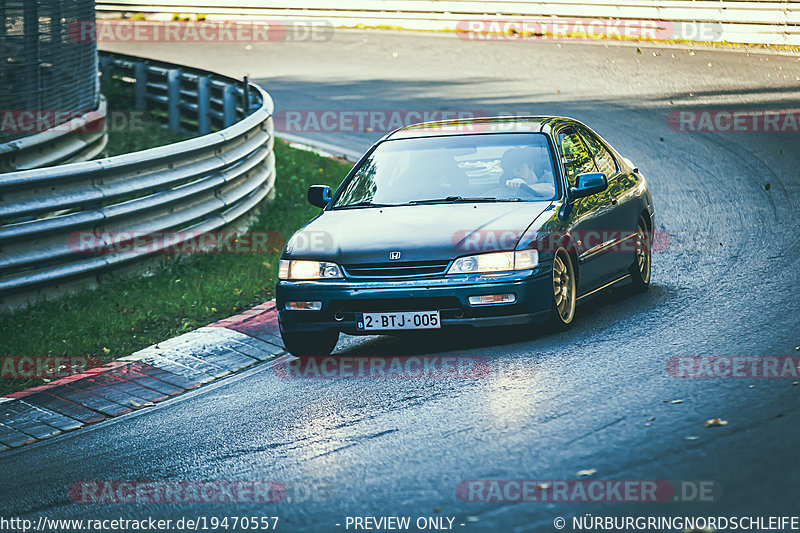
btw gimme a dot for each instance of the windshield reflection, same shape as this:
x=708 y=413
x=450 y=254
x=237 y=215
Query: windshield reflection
x=461 y=168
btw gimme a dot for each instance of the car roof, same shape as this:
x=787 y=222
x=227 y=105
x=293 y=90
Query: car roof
x=480 y=125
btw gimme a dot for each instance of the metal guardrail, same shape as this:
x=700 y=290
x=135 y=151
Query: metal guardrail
x=81 y=139
x=194 y=186
x=736 y=21
x=187 y=99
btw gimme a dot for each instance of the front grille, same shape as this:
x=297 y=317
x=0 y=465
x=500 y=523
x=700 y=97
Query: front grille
x=408 y=269
x=396 y=304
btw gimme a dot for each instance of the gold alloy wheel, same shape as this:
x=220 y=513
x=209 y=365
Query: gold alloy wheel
x=564 y=287
x=643 y=253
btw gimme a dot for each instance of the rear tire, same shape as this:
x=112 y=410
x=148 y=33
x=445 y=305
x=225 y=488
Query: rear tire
x=310 y=343
x=640 y=269
x=562 y=309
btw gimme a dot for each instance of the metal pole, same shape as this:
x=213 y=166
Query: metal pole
x=140 y=90
x=246 y=97
x=203 y=106
x=31 y=42
x=2 y=20
x=228 y=105
x=173 y=99
x=4 y=45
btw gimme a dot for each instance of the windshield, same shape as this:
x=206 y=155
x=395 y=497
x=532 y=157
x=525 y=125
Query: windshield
x=460 y=168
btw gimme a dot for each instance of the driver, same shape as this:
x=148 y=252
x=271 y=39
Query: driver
x=520 y=172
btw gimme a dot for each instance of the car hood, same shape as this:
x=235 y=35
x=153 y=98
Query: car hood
x=420 y=233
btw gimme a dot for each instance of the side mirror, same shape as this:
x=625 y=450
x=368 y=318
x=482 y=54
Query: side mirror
x=589 y=184
x=319 y=195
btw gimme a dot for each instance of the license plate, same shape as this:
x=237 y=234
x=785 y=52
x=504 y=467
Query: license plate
x=398 y=320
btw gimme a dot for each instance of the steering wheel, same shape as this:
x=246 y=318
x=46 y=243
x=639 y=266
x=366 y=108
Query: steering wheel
x=523 y=187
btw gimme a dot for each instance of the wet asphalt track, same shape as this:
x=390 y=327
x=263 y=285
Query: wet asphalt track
x=552 y=405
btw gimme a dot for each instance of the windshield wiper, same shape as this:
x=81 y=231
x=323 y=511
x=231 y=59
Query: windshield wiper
x=365 y=203
x=462 y=199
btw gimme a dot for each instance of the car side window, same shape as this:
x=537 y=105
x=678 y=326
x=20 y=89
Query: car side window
x=576 y=156
x=602 y=157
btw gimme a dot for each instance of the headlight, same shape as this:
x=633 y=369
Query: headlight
x=495 y=262
x=300 y=270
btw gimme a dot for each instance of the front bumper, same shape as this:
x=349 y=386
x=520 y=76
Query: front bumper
x=342 y=299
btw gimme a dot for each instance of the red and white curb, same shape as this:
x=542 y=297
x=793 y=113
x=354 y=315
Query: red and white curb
x=141 y=379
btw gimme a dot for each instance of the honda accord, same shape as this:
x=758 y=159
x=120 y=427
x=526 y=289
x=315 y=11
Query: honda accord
x=479 y=222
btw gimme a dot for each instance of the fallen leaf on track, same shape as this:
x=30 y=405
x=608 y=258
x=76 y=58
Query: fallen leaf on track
x=589 y=472
x=716 y=422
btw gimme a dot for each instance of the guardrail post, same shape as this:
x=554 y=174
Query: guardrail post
x=228 y=105
x=203 y=106
x=246 y=96
x=106 y=63
x=140 y=91
x=173 y=99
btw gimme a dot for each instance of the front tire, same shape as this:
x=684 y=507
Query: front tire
x=310 y=343
x=562 y=310
x=640 y=269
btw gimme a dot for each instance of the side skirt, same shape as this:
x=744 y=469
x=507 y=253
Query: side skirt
x=603 y=287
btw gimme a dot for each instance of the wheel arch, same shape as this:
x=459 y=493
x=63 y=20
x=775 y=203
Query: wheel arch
x=645 y=214
x=569 y=246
